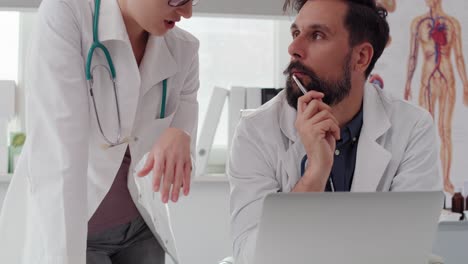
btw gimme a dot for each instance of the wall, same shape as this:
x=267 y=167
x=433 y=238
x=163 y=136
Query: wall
x=19 y=4
x=216 y=7
x=393 y=68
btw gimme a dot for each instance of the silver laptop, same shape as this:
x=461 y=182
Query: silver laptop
x=354 y=228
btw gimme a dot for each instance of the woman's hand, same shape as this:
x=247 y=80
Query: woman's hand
x=171 y=164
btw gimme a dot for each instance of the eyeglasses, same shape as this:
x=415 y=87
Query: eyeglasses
x=176 y=3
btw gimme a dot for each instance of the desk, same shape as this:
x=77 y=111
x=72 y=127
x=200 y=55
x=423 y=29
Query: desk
x=452 y=242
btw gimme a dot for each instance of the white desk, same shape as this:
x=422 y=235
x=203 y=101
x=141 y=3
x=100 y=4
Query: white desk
x=208 y=208
x=452 y=241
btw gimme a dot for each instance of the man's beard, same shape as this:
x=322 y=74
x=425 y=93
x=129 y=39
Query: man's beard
x=334 y=91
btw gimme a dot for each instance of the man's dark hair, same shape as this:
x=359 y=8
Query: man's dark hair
x=365 y=21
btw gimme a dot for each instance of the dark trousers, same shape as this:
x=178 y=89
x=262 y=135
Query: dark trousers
x=132 y=243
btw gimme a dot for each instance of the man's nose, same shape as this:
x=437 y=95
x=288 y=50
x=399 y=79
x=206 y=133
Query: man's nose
x=296 y=49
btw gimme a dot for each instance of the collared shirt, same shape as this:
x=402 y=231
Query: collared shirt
x=344 y=161
x=345 y=155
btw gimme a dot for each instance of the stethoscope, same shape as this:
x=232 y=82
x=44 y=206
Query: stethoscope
x=330 y=179
x=111 y=70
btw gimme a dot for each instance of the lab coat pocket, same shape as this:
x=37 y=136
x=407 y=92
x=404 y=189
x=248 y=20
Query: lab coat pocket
x=151 y=131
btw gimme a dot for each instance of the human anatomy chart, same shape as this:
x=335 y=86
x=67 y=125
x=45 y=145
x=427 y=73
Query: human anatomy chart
x=425 y=63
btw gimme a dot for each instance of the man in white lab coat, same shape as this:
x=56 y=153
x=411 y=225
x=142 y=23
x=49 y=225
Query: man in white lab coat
x=342 y=135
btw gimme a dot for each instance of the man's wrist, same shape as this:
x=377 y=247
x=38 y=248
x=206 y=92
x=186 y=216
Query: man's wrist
x=309 y=185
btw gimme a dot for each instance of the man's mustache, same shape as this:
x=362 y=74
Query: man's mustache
x=299 y=67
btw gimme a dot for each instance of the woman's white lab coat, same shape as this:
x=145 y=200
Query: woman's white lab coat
x=64 y=173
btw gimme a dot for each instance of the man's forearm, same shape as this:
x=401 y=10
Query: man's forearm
x=310 y=184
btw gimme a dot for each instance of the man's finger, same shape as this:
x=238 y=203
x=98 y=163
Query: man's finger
x=309 y=96
x=313 y=108
x=321 y=116
x=333 y=128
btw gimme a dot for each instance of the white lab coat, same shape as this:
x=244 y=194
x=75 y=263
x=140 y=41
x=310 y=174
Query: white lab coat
x=64 y=173
x=397 y=151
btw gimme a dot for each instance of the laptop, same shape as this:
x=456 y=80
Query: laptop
x=354 y=228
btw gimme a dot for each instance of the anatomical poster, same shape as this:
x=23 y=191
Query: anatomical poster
x=425 y=63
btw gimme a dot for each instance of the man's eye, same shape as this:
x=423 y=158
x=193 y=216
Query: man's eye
x=317 y=35
x=295 y=33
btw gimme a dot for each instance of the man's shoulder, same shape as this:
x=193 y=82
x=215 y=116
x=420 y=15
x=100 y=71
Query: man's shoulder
x=401 y=111
x=266 y=116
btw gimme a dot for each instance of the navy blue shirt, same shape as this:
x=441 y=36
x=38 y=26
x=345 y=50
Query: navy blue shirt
x=344 y=161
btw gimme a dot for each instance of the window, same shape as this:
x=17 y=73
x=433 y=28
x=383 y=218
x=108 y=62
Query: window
x=9 y=49
x=9 y=45
x=234 y=52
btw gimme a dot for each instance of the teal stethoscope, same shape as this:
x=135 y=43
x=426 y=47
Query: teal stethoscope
x=98 y=45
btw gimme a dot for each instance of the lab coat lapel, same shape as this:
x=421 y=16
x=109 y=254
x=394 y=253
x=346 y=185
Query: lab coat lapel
x=111 y=23
x=293 y=157
x=372 y=159
x=158 y=63
x=288 y=119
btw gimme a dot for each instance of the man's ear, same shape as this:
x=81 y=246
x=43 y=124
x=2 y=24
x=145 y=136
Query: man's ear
x=363 y=54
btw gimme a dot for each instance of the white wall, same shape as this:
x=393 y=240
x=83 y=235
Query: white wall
x=218 y=7
x=19 y=4
x=241 y=7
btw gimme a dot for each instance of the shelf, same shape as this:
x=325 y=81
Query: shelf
x=5 y=178
x=459 y=223
x=203 y=179
x=211 y=178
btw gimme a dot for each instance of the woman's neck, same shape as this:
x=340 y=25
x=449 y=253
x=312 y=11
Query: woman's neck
x=137 y=35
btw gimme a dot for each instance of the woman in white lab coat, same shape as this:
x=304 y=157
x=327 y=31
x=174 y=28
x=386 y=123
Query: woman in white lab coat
x=66 y=203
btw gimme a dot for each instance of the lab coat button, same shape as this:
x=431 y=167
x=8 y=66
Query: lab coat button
x=166 y=241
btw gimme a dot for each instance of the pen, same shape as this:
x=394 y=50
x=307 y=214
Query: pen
x=299 y=84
